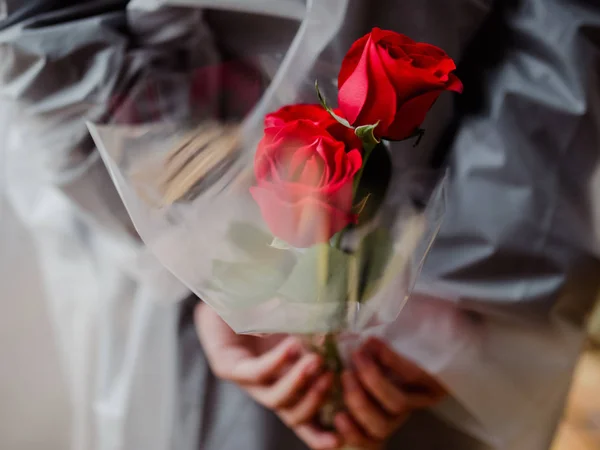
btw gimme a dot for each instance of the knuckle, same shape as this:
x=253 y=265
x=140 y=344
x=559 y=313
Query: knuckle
x=271 y=402
x=259 y=379
x=278 y=400
x=221 y=372
x=398 y=407
x=320 y=446
x=387 y=358
x=293 y=420
x=317 y=394
x=371 y=377
x=365 y=373
x=288 y=418
x=304 y=414
x=395 y=410
x=356 y=400
x=393 y=403
x=380 y=431
x=312 y=401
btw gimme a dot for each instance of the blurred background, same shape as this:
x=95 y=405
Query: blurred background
x=35 y=389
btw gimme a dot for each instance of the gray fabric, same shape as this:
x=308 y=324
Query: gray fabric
x=517 y=253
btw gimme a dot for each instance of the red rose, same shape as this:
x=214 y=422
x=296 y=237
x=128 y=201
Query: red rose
x=319 y=116
x=390 y=78
x=304 y=182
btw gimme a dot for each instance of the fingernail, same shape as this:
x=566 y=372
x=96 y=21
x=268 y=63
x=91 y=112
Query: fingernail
x=361 y=358
x=293 y=346
x=372 y=343
x=323 y=383
x=349 y=382
x=341 y=421
x=330 y=441
x=313 y=367
x=293 y=351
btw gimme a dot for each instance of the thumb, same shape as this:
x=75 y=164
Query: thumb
x=260 y=369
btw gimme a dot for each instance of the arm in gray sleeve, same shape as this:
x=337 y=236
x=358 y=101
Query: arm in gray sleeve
x=61 y=66
x=111 y=304
x=515 y=260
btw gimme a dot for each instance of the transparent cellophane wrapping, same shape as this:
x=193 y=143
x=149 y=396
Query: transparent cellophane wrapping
x=185 y=171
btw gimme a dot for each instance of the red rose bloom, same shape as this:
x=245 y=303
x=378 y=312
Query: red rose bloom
x=304 y=182
x=388 y=77
x=317 y=115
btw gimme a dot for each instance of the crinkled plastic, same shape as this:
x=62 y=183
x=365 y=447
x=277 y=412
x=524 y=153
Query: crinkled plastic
x=185 y=179
x=510 y=263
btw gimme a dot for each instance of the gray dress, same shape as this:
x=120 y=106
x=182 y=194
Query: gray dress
x=500 y=313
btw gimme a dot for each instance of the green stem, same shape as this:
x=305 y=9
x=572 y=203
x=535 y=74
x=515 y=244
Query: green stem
x=332 y=354
x=368 y=151
x=329 y=350
x=337 y=241
x=333 y=362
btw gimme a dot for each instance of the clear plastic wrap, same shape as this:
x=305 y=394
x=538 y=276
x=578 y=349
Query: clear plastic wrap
x=186 y=181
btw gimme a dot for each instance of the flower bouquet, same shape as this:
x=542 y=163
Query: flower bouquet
x=305 y=225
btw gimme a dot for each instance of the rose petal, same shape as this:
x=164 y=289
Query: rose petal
x=352 y=59
x=454 y=84
x=411 y=115
x=422 y=48
x=313 y=112
x=355 y=161
x=342 y=133
x=301 y=224
x=407 y=79
x=360 y=97
x=353 y=91
x=312 y=172
x=264 y=165
x=297 y=160
x=326 y=150
x=425 y=62
x=390 y=37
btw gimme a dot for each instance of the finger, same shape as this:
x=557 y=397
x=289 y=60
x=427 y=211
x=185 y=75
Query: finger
x=381 y=388
x=306 y=409
x=421 y=401
x=288 y=387
x=407 y=371
x=363 y=410
x=260 y=369
x=351 y=434
x=317 y=439
x=222 y=347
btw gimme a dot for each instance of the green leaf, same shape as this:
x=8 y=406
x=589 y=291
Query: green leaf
x=306 y=283
x=248 y=282
x=251 y=240
x=258 y=278
x=419 y=135
x=366 y=134
x=373 y=255
x=280 y=244
x=340 y=119
x=360 y=206
x=374 y=183
x=320 y=96
x=323 y=103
